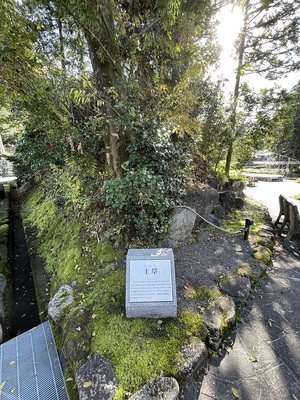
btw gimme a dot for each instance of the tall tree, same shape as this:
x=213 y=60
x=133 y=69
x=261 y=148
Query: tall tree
x=285 y=135
x=141 y=39
x=239 y=73
x=268 y=45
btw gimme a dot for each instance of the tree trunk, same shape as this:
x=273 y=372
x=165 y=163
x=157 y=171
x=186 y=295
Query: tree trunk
x=107 y=67
x=2 y=150
x=241 y=52
x=61 y=44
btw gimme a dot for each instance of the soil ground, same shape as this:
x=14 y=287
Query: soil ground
x=215 y=255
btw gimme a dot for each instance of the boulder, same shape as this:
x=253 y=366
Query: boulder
x=95 y=379
x=193 y=356
x=237 y=287
x=219 y=212
x=228 y=200
x=3 y=282
x=252 y=271
x=76 y=335
x=235 y=185
x=61 y=300
x=203 y=201
x=220 y=315
x=1 y=334
x=158 y=389
x=182 y=224
x=263 y=254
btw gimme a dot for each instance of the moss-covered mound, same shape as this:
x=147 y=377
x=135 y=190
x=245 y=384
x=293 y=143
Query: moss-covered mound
x=75 y=252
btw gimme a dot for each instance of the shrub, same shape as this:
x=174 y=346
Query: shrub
x=139 y=200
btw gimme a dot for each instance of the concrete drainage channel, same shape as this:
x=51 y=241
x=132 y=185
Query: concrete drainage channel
x=19 y=311
x=29 y=364
x=5 y=300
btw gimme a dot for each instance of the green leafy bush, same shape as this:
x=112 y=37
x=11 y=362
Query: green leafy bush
x=155 y=175
x=140 y=202
x=38 y=148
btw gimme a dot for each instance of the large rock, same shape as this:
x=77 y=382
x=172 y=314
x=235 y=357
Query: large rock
x=236 y=186
x=204 y=201
x=76 y=335
x=182 y=224
x=219 y=212
x=219 y=316
x=95 y=379
x=3 y=282
x=158 y=389
x=61 y=300
x=193 y=356
x=238 y=287
x=228 y=200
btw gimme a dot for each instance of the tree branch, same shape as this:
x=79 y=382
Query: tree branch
x=92 y=35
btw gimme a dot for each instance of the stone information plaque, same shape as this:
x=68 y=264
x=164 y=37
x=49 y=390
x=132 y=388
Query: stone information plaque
x=150 y=283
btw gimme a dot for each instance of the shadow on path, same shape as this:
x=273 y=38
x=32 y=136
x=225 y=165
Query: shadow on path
x=264 y=360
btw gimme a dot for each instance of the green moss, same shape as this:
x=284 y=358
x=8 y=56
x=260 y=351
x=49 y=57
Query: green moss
x=226 y=277
x=263 y=254
x=3 y=267
x=225 y=328
x=4 y=229
x=193 y=324
x=237 y=217
x=205 y=293
x=266 y=242
x=69 y=375
x=245 y=270
x=138 y=348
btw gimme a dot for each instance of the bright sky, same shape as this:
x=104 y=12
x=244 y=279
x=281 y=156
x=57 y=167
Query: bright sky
x=228 y=30
x=231 y=20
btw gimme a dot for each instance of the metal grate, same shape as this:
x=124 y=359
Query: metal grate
x=30 y=368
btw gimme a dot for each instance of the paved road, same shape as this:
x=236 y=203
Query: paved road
x=268 y=193
x=263 y=363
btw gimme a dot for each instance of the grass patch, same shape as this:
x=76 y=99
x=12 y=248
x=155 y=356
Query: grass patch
x=237 y=217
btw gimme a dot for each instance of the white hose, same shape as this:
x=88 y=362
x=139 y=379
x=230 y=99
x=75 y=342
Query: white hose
x=210 y=223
